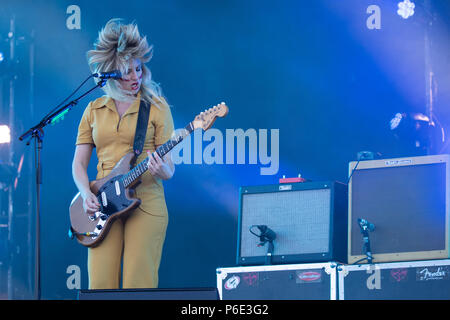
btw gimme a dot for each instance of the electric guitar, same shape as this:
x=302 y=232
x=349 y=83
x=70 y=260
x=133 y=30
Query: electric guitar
x=116 y=191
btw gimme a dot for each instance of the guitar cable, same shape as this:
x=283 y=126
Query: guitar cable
x=72 y=233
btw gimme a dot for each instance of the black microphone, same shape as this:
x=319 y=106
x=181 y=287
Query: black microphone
x=366 y=224
x=267 y=233
x=115 y=74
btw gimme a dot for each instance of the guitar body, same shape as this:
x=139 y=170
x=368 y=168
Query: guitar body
x=116 y=201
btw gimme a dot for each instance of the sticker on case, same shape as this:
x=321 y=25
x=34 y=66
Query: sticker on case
x=308 y=276
x=232 y=283
x=251 y=279
x=399 y=275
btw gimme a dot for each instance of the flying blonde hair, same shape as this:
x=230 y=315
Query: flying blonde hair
x=117 y=45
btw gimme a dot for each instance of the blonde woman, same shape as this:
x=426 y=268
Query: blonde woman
x=132 y=249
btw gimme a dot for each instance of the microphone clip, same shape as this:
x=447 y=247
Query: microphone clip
x=108 y=75
x=266 y=235
x=366 y=225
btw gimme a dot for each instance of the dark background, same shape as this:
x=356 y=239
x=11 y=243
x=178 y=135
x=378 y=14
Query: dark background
x=312 y=69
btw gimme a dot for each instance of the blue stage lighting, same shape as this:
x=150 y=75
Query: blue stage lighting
x=5 y=134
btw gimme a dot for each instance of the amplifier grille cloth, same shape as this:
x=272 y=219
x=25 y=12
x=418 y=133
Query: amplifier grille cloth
x=300 y=219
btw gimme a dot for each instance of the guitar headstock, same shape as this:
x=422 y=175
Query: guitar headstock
x=206 y=118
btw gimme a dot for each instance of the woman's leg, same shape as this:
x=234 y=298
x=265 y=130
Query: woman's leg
x=104 y=260
x=144 y=237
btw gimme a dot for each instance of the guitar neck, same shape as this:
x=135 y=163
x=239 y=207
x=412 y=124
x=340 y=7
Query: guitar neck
x=162 y=150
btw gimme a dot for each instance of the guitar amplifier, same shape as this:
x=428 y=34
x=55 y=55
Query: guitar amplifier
x=308 y=219
x=407 y=202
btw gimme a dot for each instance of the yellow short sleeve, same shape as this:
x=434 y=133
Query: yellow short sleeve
x=85 y=127
x=163 y=122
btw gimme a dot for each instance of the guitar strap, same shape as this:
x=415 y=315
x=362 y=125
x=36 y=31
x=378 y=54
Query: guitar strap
x=141 y=129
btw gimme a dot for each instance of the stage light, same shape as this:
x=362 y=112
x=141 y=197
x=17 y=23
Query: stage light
x=417 y=134
x=396 y=121
x=2 y=57
x=5 y=134
x=406 y=9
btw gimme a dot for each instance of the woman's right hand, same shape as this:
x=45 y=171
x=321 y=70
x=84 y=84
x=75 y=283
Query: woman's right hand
x=90 y=203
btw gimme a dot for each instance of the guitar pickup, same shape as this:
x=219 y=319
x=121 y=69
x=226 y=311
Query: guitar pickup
x=117 y=185
x=104 y=199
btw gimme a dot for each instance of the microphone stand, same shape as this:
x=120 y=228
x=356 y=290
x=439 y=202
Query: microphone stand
x=366 y=240
x=37 y=133
x=269 y=253
x=366 y=243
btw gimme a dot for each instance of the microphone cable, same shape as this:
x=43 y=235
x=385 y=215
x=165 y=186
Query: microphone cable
x=59 y=105
x=356 y=166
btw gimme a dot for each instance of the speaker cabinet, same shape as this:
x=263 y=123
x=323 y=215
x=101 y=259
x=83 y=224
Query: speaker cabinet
x=309 y=220
x=407 y=201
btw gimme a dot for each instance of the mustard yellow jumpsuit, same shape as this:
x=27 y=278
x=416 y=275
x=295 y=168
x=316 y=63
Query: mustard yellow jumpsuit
x=140 y=239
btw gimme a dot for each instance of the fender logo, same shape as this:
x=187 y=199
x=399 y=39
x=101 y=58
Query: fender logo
x=432 y=273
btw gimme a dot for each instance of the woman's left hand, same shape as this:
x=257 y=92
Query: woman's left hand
x=159 y=167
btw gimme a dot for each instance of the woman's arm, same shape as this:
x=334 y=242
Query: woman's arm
x=80 y=164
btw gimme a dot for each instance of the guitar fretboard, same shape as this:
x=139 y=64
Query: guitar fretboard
x=162 y=150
